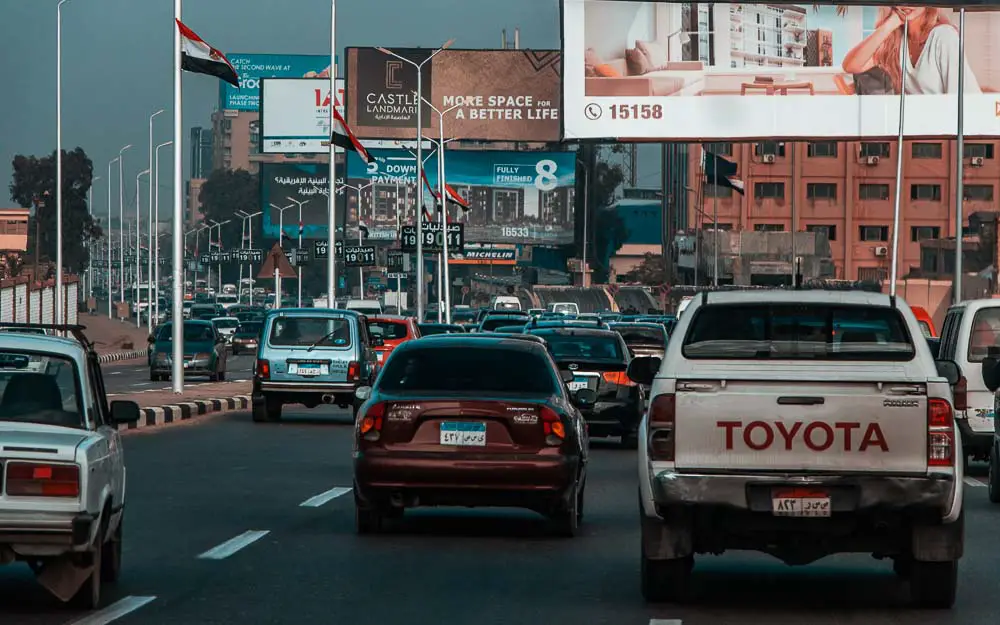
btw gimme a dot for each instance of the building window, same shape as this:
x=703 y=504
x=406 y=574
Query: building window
x=769 y=147
x=868 y=191
x=822 y=149
x=765 y=190
x=712 y=226
x=926 y=192
x=978 y=192
x=830 y=230
x=926 y=150
x=769 y=227
x=873 y=233
x=715 y=190
x=983 y=150
x=821 y=191
x=719 y=149
x=869 y=148
x=919 y=233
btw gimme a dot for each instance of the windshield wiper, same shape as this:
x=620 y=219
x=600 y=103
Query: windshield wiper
x=321 y=340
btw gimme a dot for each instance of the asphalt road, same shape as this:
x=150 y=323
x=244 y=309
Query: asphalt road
x=195 y=486
x=132 y=376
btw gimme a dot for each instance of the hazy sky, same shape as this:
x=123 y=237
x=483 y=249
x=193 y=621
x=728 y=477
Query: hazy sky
x=117 y=61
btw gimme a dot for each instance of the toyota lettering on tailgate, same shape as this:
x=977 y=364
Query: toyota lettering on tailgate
x=816 y=435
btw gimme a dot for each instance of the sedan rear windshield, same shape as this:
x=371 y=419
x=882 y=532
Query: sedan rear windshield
x=802 y=332
x=571 y=346
x=309 y=331
x=388 y=330
x=464 y=369
x=249 y=328
x=193 y=332
x=643 y=336
x=492 y=323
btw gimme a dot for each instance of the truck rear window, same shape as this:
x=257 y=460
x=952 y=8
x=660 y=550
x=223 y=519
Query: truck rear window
x=985 y=334
x=802 y=332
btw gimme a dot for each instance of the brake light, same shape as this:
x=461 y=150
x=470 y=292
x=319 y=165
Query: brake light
x=354 y=371
x=961 y=394
x=662 y=415
x=263 y=369
x=552 y=425
x=940 y=433
x=370 y=425
x=617 y=377
x=28 y=479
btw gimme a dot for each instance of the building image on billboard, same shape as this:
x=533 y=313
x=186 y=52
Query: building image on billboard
x=697 y=71
x=251 y=68
x=503 y=95
x=514 y=197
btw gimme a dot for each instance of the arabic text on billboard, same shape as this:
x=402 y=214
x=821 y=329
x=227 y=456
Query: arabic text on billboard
x=306 y=183
x=295 y=115
x=655 y=70
x=515 y=197
x=503 y=95
x=252 y=67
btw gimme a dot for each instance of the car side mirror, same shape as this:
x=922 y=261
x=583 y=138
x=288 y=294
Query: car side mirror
x=377 y=341
x=584 y=398
x=363 y=393
x=950 y=371
x=643 y=369
x=123 y=412
x=991 y=372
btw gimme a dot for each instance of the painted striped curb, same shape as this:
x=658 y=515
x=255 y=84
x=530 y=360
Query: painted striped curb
x=182 y=411
x=130 y=355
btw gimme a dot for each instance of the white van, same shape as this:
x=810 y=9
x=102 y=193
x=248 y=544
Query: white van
x=505 y=302
x=970 y=332
x=368 y=307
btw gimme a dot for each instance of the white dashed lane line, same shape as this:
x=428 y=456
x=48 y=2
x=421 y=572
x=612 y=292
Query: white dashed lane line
x=971 y=481
x=114 y=611
x=665 y=621
x=325 y=497
x=231 y=546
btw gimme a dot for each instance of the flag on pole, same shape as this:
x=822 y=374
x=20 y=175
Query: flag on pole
x=453 y=196
x=721 y=172
x=364 y=229
x=201 y=58
x=343 y=137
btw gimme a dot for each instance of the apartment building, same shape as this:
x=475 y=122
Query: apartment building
x=847 y=191
x=767 y=35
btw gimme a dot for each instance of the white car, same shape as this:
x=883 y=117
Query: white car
x=226 y=326
x=63 y=469
x=800 y=424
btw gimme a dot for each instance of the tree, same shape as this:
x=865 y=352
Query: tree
x=34 y=184
x=224 y=193
x=608 y=232
x=650 y=272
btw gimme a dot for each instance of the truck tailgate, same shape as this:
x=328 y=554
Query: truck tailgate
x=791 y=426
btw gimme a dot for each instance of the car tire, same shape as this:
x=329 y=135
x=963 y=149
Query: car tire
x=367 y=520
x=221 y=376
x=993 y=481
x=666 y=580
x=566 y=520
x=153 y=377
x=630 y=440
x=88 y=597
x=933 y=584
x=111 y=569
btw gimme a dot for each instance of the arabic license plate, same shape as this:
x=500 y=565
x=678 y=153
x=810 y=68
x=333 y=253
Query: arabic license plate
x=576 y=385
x=800 y=503
x=981 y=420
x=308 y=370
x=463 y=433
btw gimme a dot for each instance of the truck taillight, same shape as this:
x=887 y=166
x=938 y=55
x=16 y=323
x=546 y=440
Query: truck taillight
x=29 y=479
x=940 y=433
x=662 y=414
x=370 y=424
x=961 y=394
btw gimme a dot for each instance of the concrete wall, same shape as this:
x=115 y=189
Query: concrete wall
x=23 y=300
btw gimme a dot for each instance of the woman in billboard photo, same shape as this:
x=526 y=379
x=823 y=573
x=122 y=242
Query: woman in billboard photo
x=933 y=51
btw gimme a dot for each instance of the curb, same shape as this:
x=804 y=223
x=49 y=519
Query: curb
x=173 y=413
x=131 y=355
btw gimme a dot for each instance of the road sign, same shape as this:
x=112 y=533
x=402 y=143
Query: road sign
x=298 y=257
x=395 y=261
x=433 y=238
x=248 y=255
x=359 y=255
x=320 y=247
x=396 y=275
x=276 y=258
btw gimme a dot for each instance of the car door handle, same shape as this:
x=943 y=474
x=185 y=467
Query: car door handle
x=801 y=401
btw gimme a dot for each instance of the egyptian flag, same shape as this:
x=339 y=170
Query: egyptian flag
x=285 y=236
x=453 y=195
x=217 y=244
x=364 y=229
x=201 y=58
x=721 y=172
x=343 y=137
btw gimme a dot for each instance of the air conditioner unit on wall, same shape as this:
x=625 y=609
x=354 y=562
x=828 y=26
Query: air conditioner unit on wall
x=871 y=160
x=977 y=161
x=881 y=251
x=768 y=158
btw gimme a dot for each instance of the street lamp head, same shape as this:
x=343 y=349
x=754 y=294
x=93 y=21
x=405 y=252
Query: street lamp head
x=123 y=149
x=447 y=44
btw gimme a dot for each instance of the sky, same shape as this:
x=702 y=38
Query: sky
x=117 y=62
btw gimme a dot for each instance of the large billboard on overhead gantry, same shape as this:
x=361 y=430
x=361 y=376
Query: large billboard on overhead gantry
x=703 y=71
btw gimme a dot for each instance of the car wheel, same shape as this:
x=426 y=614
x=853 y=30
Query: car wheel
x=566 y=521
x=88 y=597
x=933 y=584
x=367 y=520
x=666 y=580
x=993 y=482
x=153 y=377
x=221 y=376
x=112 y=557
x=630 y=441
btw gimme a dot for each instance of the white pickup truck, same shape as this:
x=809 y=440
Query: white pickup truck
x=800 y=424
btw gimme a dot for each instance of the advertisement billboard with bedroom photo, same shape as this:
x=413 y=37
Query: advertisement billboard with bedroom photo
x=701 y=71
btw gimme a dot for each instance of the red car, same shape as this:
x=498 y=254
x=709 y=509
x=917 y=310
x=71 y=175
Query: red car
x=394 y=331
x=471 y=420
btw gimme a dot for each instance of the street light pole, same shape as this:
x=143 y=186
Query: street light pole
x=138 y=249
x=218 y=244
x=90 y=256
x=121 y=222
x=444 y=278
x=361 y=278
x=156 y=220
x=149 y=243
x=59 y=169
x=281 y=237
x=107 y=237
x=420 y=189
x=297 y=266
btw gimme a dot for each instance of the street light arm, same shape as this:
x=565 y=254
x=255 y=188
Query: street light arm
x=393 y=54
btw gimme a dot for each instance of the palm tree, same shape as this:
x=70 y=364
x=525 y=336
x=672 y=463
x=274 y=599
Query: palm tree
x=841 y=9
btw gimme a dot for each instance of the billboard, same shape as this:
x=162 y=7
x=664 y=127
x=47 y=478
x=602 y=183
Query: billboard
x=295 y=115
x=498 y=95
x=515 y=197
x=702 y=71
x=252 y=67
x=280 y=183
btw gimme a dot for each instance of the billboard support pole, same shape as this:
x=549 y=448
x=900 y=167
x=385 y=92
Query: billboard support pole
x=792 y=216
x=899 y=159
x=956 y=285
x=331 y=257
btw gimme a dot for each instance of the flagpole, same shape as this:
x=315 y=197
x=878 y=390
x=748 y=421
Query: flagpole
x=177 y=327
x=59 y=168
x=899 y=158
x=331 y=256
x=956 y=285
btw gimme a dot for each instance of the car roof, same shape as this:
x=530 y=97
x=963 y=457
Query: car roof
x=637 y=324
x=476 y=339
x=399 y=318
x=572 y=330
x=225 y=319
x=59 y=345
x=313 y=312
x=795 y=296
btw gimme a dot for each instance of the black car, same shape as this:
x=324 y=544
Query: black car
x=598 y=359
x=643 y=339
x=429 y=329
x=499 y=318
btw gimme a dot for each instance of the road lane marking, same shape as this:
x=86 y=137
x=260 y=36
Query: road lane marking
x=142 y=384
x=323 y=498
x=971 y=481
x=231 y=546
x=665 y=621
x=114 y=611
x=115 y=373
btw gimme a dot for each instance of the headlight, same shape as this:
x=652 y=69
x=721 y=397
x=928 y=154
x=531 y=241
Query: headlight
x=161 y=357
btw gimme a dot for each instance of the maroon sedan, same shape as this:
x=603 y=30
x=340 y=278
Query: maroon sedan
x=471 y=420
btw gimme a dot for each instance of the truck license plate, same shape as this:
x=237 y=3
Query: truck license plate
x=800 y=503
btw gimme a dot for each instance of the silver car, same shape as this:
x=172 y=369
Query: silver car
x=62 y=464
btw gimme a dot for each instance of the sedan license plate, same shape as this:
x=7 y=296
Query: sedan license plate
x=463 y=433
x=800 y=503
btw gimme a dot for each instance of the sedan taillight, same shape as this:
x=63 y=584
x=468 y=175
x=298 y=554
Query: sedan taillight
x=30 y=479
x=370 y=424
